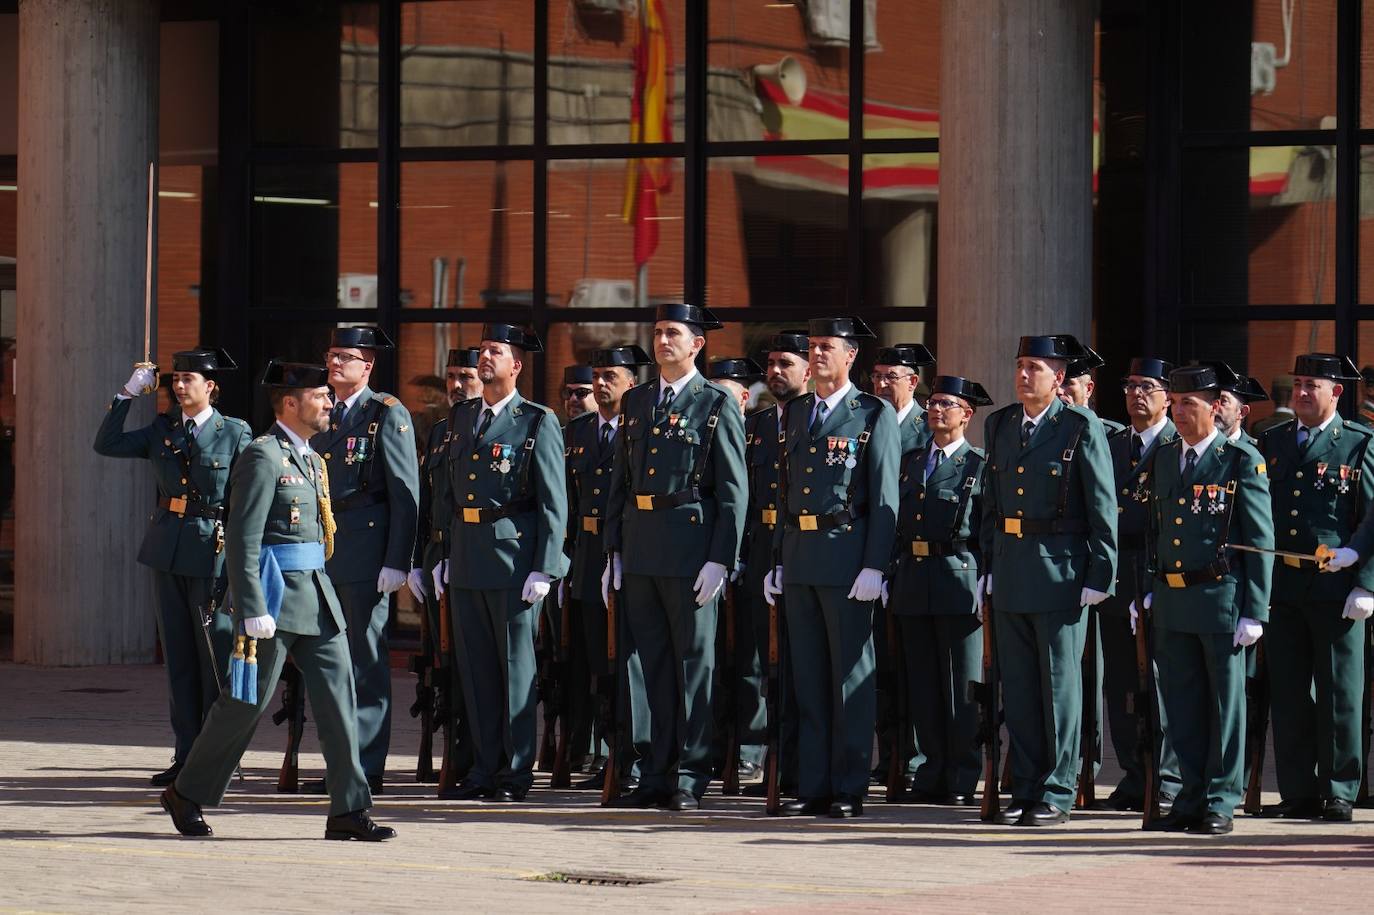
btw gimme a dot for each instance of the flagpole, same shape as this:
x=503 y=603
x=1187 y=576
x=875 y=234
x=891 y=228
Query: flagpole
x=642 y=285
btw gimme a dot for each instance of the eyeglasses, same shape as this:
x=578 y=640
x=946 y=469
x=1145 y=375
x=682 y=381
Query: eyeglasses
x=342 y=358
x=889 y=377
x=578 y=393
x=1145 y=387
x=943 y=403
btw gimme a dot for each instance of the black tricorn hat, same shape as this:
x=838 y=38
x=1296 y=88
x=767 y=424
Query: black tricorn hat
x=204 y=361
x=1051 y=346
x=1150 y=367
x=687 y=314
x=465 y=358
x=912 y=355
x=1250 y=390
x=367 y=337
x=743 y=370
x=1326 y=365
x=847 y=326
x=1367 y=374
x=628 y=356
x=788 y=341
x=294 y=375
x=1228 y=379
x=1084 y=364
x=514 y=335
x=577 y=374
x=971 y=391
x=1194 y=379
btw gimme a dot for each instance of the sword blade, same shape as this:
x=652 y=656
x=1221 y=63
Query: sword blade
x=1310 y=557
x=148 y=267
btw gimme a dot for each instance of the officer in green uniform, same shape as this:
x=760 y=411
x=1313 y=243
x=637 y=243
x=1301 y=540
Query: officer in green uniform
x=1049 y=532
x=510 y=510
x=933 y=593
x=192 y=448
x=837 y=499
x=374 y=474
x=1079 y=387
x=895 y=377
x=1146 y=390
x=578 y=399
x=1203 y=494
x=1238 y=392
x=279 y=535
x=432 y=529
x=1321 y=473
x=674 y=522
x=591 y=445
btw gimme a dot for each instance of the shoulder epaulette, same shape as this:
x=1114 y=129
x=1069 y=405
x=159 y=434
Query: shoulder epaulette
x=263 y=438
x=1359 y=427
x=385 y=400
x=1115 y=432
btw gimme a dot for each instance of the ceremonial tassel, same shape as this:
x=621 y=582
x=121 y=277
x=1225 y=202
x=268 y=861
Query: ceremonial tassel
x=236 y=665
x=250 y=674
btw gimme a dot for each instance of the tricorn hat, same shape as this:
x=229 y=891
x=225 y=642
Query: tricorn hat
x=1250 y=390
x=1326 y=365
x=912 y=355
x=847 y=326
x=1194 y=379
x=1151 y=367
x=577 y=374
x=788 y=341
x=743 y=370
x=687 y=314
x=1084 y=364
x=515 y=335
x=628 y=356
x=205 y=361
x=294 y=375
x=1051 y=346
x=364 y=337
x=465 y=358
x=954 y=385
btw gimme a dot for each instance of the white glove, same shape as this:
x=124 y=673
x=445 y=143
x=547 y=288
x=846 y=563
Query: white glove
x=142 y=380
x=1091 y=597
x=260 y=627
x=562 y=591
x=1343 y=557
x=415 y=581
x=610 y=577
x=868 y=586
x=709 y=581
x=884 y=597
x=440 y=575
x=536 y=588
x=1248 y=632
x=1135 y=612
x=772 y=585
x=389 y=579
x=1359 y=605
x=981 y=590
x=737 y=574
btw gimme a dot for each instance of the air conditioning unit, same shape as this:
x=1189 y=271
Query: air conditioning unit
x=1263 y=60
x=589 y=293
x=602 y=294
x=357 y=290
x=606 y=6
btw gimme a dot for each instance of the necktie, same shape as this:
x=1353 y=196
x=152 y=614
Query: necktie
x=666 y=399
x=190 y=430
x=1026 y=431
x=336 y=414
x=937 y=457
x=487 y=417
x=819 y=419
x=1189 y=462
x=606 y=432
x=1304 y=436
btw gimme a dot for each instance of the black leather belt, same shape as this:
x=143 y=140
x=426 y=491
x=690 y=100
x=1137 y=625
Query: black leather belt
x=183 y=506
x=1212 y=572
x=938 y=547
x=825 y=522
x=488 y=515
x=653 y=502
x=1040 y=526
x=358 y=500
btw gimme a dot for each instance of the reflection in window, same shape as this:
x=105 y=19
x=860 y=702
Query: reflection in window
x=1365 y=234
x=899 y=215
x=1264 y=349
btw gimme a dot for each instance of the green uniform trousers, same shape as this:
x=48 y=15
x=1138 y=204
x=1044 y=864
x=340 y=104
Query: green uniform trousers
x=1316 y=677
x=832 y=666
x=366 y=613
x=1041 y=660
x=591 y=690
x=1121 y=681
x=494 y=641
x=327 y=673
x=192 y=686
x=461 y=754
x=944 y=653
x=675 y=641
x=1202 y=684
x=742 y=699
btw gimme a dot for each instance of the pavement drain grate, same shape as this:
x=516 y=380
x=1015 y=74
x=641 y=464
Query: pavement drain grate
x=95 y=690
x=595 y=879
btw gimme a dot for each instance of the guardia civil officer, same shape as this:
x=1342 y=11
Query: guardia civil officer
x=674 y=522
x=577 y=391
x=374 y=473
x=279 y=536
x=837 y=501
x=1049 y=532
x=506 y=474
x=1238 y=392
x=1079 y=386
x=192 y=449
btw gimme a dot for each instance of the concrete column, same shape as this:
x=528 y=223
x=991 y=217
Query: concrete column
x=1015 y=214
x=87 y=130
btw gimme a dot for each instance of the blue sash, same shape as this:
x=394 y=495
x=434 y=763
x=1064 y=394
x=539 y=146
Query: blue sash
x=285 y=557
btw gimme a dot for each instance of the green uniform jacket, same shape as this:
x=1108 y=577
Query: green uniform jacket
x=500 y=554
x=946 y=509
x=818 y=481
x=173 y=543
x=1309 y=508
x=1046 y=573
x=275 y=499
x=761 y=459
x=436 y=505
x=1186 y=540
x=1132 y=520
x=657 y=458
x=589 y=491
x=914 y=429
x=374 y=480
x=1111 y=425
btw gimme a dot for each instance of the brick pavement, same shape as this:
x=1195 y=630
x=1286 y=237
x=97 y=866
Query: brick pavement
x=80 y=830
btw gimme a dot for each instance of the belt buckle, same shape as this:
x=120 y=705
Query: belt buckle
x=590 y=524
x=644 y=503
x=920 y=548
x=472 y=516
x=807 y=523
x=1292 y=561
x=1175 y=580
x=768 y=516
x=177 y=504
x=1012 y=526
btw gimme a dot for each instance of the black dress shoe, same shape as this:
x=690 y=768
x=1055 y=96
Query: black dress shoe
x=166 y=776
x=1010 y=815
x=1173 y=822
x=629 y=783
x=507 y=795
x=1212 y=824
x=809 y=807
x=374 y=784
x=1337 y=810
x=960 y=800
x=465 y=791
x=641 y=798
x=1043 y=814
x=922 y=796
x=1166 y=802
x=356 y=825
x=1119 y=801
x=1307 y=808
x=846 y=806
x=760 y=789
x=185 y=814
x=680 y=800
x=594 y=782
x=749 y=771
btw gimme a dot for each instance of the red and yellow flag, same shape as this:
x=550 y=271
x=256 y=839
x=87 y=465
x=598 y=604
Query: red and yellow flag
x=651 y=121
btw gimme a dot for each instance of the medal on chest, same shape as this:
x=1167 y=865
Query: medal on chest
x=1320 y=481
x=1216 y=499
x=676 y=427
x=295 y=514
x=1197 y=498
x=501 y=457
x=1345 y=479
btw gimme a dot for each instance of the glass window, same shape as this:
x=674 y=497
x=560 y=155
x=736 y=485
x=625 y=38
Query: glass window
x=572 y=344
x=1367 y=64
x=777 y=231
x=611 y=58
x=467 y=234
x=315 y=71
x=902 y=75
x=421 y=360
x=1364 y=234
x=1263 y=349
x=900 y=191
x=467 y=73
x=1258 y=226
x=314 y=235
x=184 y=213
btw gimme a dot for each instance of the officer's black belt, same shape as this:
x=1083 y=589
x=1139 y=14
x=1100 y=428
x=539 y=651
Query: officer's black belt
x=938 y=547
x=826 y=522
x=655 y=502
x=358 y=500
x=488 y=515
x=1040 y=526
x=1212 y=572
x=183 y=506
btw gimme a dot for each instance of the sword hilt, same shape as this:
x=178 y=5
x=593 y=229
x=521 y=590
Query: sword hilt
x=148 y=389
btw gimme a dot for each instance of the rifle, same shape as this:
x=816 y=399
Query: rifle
x=448 y=701
x=1362 y=797
x=422 y=665
x=1087 y=781
x=989 y=724
x=292 y=711
x=207 y=616
x=1256 y=724
x=610 y=788
x=896 y=768
x=1145 y=707
x=548 y=686
x=773 y=697
x=729 y=699
x=560 y=776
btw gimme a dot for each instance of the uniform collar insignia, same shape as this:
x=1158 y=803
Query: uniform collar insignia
x=853 y=403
